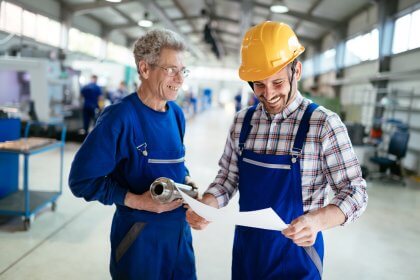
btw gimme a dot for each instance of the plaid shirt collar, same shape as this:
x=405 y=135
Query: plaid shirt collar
x=286 y=111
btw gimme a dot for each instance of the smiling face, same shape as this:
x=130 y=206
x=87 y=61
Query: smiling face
x=167 y=87
x=157 y=84
x=274 y=90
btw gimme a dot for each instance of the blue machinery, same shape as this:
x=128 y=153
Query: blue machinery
x=26 y=202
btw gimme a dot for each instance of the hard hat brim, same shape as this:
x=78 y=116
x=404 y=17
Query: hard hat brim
x=259 y=75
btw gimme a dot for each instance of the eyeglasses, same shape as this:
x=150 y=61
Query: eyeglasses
x=173 y=71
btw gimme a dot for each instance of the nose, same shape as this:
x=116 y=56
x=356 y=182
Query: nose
x=179 y=77
x=268 y=92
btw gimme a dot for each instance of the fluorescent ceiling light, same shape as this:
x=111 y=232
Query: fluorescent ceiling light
x=145 y=23
x=114 y=1
x=279 y=9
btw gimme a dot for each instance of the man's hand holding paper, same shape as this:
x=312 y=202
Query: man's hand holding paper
x=200 y=214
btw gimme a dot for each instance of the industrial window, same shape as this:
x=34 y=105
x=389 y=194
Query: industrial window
x=119 y=54
x=327 y=60
x=29 y=24
x=14 y=19
x=11 y=18
x=401 y=33
x=362 y=48
x=48 y=31
x=414 y=41
x=84 y=42
x=406 y=35
x=308 y=68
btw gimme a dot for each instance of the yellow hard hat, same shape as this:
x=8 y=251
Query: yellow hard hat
x=266 y=49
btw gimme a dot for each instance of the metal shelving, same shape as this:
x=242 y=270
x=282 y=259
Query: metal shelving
x=27 y=202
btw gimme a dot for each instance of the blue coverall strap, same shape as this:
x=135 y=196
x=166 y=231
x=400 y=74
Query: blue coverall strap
x=181 y=127
x=303 y=129
x=246 y=127
x=136 y=117
x=138 y=127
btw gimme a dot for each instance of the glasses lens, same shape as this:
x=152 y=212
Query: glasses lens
x=185 y=72
x=171 y=71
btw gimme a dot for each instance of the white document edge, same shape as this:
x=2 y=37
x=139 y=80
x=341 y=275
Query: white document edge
x=264 y=218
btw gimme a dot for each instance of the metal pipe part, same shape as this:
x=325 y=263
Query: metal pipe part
x=163 y=190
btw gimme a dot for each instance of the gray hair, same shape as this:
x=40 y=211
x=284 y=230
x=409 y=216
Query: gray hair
x=149 y=46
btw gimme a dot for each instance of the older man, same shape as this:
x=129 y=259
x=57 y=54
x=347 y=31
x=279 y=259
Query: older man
x=134 y=142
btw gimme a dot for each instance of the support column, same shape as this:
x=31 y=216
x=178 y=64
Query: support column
x=386 y=10
x=66 y=23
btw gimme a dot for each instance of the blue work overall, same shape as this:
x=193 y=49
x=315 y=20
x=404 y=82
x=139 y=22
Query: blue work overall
x=274 y=181
x=146 y=245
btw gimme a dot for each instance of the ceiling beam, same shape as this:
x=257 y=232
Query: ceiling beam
x=84 y=8
x=130 y=21
x=227 y=32
x=154 y=8
x=185 y=14
x=125 y=16
x=311 y=9
x=308 y=40
x=123 y=26
x=302 y=16
x=201 y=17
x=246 y=18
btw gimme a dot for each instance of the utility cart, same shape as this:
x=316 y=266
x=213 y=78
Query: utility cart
x=26 y=202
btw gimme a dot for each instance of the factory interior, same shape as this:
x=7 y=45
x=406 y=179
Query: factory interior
x=360 y=63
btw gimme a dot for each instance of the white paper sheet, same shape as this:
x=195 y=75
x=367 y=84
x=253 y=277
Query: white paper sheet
x=264 y=218
x=209 y=213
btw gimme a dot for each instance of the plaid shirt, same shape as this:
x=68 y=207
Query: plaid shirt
x=327 y=159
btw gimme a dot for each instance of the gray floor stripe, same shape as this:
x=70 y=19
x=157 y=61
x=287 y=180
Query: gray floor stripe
x=46 y=238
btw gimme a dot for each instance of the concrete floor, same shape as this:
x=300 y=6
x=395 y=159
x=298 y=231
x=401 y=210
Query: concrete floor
x=72 y=243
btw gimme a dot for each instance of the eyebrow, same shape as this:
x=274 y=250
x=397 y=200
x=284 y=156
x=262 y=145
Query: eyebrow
x=173 y=66
x=276 y=80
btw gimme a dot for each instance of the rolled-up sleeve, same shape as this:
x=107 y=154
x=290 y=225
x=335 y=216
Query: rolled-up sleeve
x=342 y=170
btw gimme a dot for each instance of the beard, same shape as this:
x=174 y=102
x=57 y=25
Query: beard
x=275 y=105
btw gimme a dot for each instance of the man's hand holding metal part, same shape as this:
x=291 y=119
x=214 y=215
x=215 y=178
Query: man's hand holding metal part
x=165 y=191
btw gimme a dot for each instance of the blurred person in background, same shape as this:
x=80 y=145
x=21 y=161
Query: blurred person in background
x=91 y=95
x=252 y=100
x=286 y=153
x=238 y=101
x=119 y=94
x=133 y=143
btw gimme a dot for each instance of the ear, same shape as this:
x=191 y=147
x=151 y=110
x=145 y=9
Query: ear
x=298 y=70
x=144 y=69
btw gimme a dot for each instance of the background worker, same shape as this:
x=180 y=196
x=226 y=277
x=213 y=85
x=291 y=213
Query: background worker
x=91 y=94
x=133 y=143
x=117 y=95
x=285 y=153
